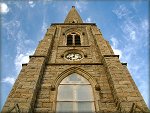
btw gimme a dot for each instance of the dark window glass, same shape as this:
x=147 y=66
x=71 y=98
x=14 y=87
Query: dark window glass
x=77 y=40
x=73 y=33
x=69 y=40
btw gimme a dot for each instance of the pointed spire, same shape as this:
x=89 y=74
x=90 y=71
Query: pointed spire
x=73 y=16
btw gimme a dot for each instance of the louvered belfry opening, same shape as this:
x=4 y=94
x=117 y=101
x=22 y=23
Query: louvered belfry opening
x=73 y=39
x=69 y=40
x=77 y=40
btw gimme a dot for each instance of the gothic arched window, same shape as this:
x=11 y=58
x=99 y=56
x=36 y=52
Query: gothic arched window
x=69 y=40
x=77 y=40
x=73 y=39
x=75 y=95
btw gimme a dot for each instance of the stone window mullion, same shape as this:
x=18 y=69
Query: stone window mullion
x=73 y=39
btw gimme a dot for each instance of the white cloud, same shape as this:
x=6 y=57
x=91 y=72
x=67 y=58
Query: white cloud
x=22 y=58
x=9 y=80
x=15 y=32
x=47 y=1
x=136 y=37
x=134 y=29
x=88 y=20
x=44 y=26
x=115 y=47
x=81 y=5
x=28 y=42
x=66 y=9
x=114 y=42
x=135 y=34
x=117 y=52
x=31 y=3
x=17 y=4
x=12 y=27
x=4 y=8
x=144 y=24
x=145 y=30
x=121 y=11
x=134 y=4
x=144 y=89
x=130 y=29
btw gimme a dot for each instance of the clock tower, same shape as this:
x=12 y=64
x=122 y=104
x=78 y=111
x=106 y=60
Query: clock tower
x=74 y=69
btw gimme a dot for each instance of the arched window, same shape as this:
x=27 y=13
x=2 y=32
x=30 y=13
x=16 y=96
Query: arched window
x=77 y=40
x=73 y=39
x=75 y=95
x=69 y=40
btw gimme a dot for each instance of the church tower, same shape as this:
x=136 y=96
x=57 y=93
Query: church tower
x=74 y=70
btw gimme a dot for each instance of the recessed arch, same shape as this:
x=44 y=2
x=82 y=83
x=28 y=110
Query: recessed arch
x=73 y=29
x=73 y=38
x=75 y=91
x=77 y=70
x=73 y=32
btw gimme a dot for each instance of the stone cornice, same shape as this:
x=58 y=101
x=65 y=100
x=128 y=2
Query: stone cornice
x=25 y=64
x=79 y=63
x=73 y=24
x=111 y=56
x=73 y=46
x=37 y=56
x=74 y=63
x=124 y=64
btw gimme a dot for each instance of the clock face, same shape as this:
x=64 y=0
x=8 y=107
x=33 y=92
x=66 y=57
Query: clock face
x=73 y=56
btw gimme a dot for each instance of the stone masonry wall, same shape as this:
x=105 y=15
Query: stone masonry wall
x=35 y=89
x=26 y=86
x=46 y=99
x=123 y=89
x=28 y=83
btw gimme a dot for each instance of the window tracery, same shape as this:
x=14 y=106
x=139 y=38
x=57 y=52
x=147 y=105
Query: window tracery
x=75 y=95
x=73 y=39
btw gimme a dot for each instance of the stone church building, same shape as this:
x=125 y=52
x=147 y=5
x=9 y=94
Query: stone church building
x=74 y=70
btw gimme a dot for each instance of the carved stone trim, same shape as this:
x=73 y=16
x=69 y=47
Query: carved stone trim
x=52 y=87
x=97 y=87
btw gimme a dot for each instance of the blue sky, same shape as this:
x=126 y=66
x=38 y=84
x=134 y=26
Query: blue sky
x=125 y=24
